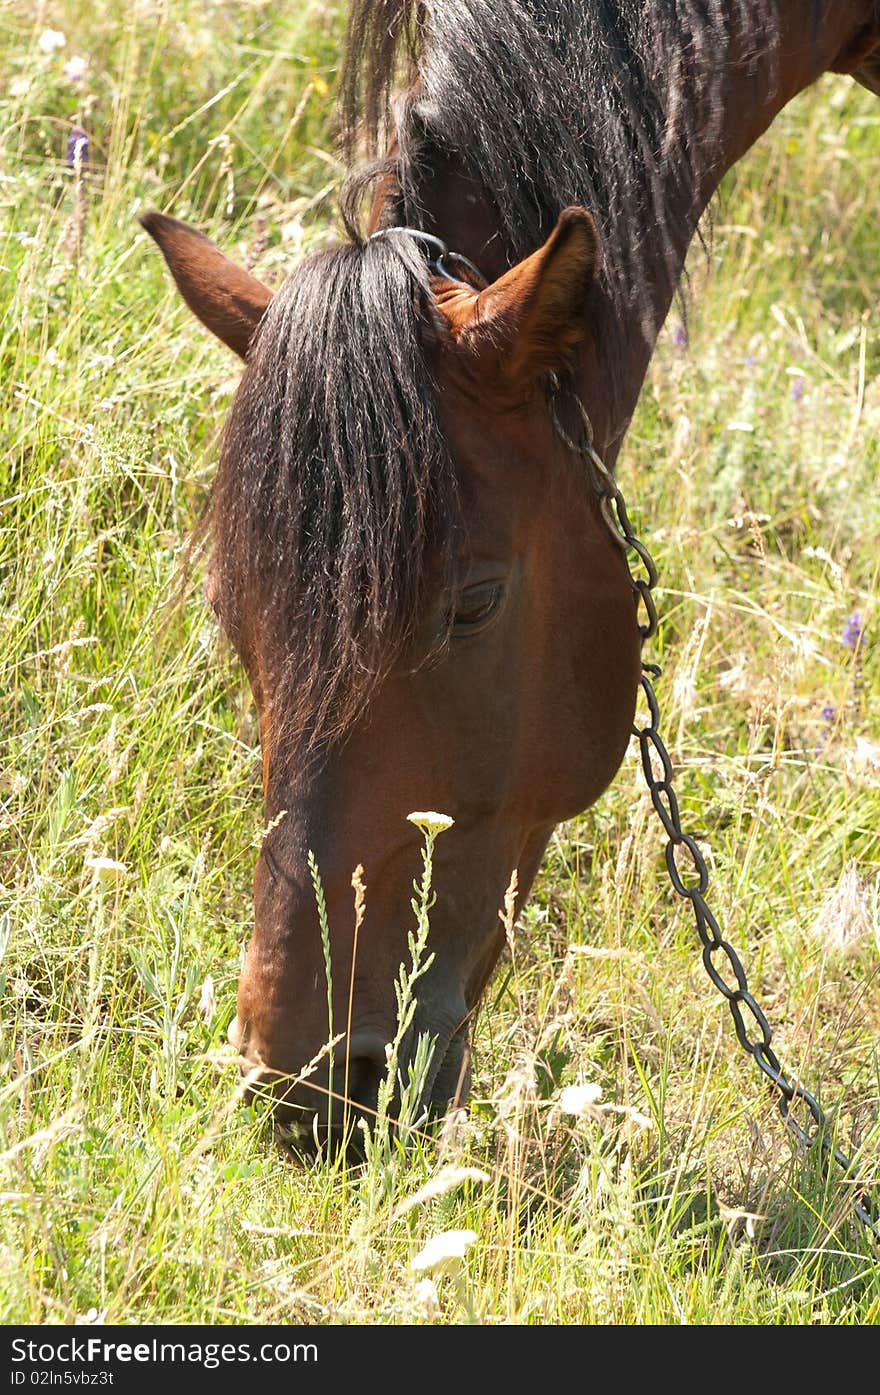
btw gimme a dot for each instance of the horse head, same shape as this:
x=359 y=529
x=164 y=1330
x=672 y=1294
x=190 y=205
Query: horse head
x=444 y=623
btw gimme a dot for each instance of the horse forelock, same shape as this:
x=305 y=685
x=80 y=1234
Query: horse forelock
x=335 y=495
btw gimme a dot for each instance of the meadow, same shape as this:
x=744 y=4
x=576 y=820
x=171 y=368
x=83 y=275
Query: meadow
x=621 y=1160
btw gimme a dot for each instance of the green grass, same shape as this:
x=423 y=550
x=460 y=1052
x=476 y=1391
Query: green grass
x=133 y=1181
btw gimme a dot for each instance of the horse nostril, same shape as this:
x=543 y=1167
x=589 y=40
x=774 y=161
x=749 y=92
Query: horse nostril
x=365 y=1067
x=362 y=1087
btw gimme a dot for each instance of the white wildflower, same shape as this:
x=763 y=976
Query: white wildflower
x=50 y=39
x=76 y=68
x=431 y=822
x=444 y=1253
x=92 y=1317
x=580 y=1100
x=106 y=869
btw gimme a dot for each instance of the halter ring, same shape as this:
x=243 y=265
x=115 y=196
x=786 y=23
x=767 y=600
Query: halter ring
x=437 y=252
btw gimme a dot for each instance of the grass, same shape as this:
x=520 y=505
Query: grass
x=134 y=1184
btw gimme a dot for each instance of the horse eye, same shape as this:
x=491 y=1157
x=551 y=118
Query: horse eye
x=476 y=605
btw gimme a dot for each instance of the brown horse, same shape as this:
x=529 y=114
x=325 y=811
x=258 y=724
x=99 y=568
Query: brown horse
x=409 y=562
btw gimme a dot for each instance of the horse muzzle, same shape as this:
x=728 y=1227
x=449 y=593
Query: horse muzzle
x=333 y=1096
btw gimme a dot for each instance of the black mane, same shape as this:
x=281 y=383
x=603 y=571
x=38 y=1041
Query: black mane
x=610 y=104
x=334 y=509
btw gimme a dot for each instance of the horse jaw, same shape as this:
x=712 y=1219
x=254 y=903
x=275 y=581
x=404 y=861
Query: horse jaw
x=869 y=76
x=862 y=59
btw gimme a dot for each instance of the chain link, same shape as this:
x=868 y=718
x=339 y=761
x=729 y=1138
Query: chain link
x=685 y=863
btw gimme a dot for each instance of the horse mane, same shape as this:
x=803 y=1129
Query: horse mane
x=613 y=105
x=334 y=499
x=334 y=509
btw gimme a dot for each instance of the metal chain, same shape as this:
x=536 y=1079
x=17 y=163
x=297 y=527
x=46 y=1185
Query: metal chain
x=685 y=862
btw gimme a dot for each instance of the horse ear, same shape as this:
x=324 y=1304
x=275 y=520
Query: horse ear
x=228 y=301
x=532 y=318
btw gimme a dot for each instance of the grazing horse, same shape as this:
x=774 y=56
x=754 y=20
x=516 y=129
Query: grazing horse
x=408 y=559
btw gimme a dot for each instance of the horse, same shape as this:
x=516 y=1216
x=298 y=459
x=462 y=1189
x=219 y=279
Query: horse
x=405 y=554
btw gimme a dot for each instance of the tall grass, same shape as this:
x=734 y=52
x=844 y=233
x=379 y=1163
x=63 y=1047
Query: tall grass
x=135 y=1184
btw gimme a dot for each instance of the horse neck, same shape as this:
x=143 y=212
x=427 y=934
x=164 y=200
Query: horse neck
x=754 y=88
x=750 y=92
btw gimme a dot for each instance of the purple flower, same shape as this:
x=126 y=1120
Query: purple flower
x=751 y=360
x=680 y=336
x=797 y=389
x=77 y=143
x=854 y=631
x=829 y=717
